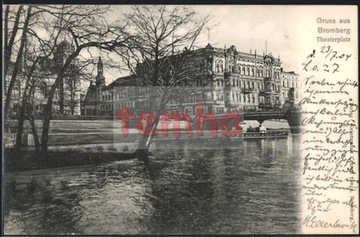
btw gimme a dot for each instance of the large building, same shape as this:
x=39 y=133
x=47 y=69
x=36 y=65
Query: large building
x=223 y=79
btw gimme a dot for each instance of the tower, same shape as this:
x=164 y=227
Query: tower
x=99 y=83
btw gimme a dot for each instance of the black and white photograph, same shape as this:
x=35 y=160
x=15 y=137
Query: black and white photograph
x=180 y=119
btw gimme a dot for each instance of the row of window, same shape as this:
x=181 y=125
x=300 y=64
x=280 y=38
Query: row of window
x=289 y=84
x=108 y=106
x=272 y=87
x=245 y=70
x=286 y=94
x=235 y=97
x=250 y=100
x=128 y=104
x=240 y=83
x=219 y=82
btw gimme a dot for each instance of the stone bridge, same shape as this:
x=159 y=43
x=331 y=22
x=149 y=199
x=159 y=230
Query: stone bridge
x=262 y=116
x=292 y=116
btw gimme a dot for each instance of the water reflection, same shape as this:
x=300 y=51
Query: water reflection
x=250 y=190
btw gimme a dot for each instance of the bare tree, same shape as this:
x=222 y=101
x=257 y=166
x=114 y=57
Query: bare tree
x=83 y=27
x=8 y=50
x=34 y=69
x=160 y=31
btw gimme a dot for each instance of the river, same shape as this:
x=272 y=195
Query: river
x=250 y=190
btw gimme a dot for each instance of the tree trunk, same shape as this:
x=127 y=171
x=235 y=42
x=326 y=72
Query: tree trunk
x=142 y=152
x=6 y=36
x=9 y=44
x=24 y=103
x=34 y=132
x=48 y=107
x=17 y=64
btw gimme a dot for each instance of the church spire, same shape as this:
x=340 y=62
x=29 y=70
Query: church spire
x=100 y=79
x=100 y=67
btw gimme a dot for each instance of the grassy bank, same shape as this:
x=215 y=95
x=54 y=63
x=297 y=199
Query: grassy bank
x=20 y=160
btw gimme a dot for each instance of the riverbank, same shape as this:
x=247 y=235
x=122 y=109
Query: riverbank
x=21 y=160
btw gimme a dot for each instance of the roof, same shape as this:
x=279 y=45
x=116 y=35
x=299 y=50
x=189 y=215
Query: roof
x=122 y=81
x=90 y=97
x=290 y=72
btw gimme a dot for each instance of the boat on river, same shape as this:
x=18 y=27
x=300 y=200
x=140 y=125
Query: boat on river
x=216 y=135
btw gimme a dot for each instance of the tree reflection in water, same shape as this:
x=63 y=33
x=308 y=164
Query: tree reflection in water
x=248 y=190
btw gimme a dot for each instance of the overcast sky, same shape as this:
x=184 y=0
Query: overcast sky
x=288 y=30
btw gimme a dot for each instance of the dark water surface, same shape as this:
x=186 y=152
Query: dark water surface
x=250 y=190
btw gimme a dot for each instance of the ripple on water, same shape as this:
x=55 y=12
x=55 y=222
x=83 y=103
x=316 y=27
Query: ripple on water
x=250 y=190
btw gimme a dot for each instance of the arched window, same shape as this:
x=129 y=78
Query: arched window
x=261 y=70
x=219 y=67
x=252 y=72
x=248 y=71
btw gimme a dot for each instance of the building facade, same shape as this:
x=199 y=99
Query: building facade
x=222 y=79
x=290 y=80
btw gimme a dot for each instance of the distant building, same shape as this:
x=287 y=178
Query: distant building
x=67 y=96
x=223 y=79
x=93 y=98
x=290 y=80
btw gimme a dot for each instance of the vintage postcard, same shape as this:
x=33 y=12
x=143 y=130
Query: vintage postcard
x=180 y=120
